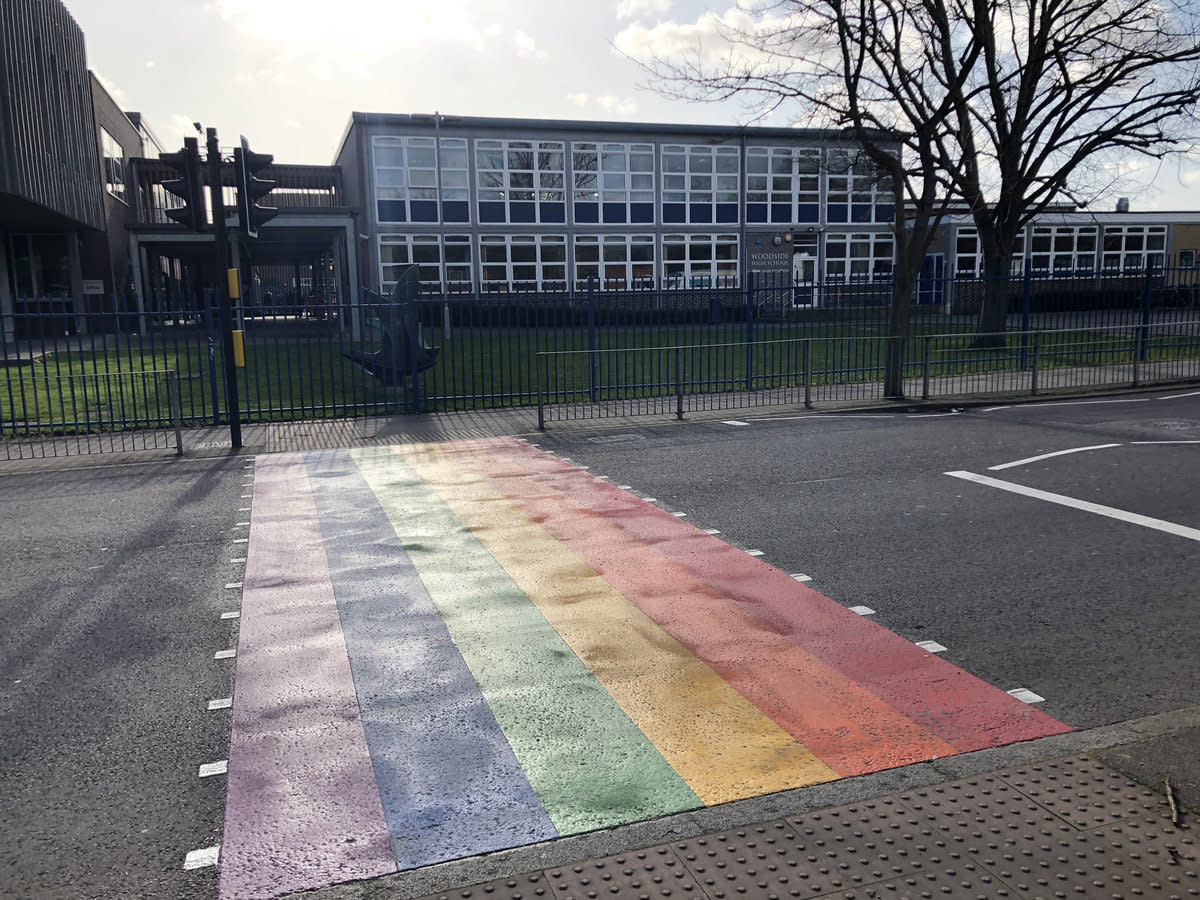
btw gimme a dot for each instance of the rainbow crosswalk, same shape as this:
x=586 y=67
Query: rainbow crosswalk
x=450 y=649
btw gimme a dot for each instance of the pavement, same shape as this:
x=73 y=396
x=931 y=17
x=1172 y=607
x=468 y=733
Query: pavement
x=1104 y=812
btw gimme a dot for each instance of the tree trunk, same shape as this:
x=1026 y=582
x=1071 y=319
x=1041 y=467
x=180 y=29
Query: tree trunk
x=903 y=288
x=993 y=314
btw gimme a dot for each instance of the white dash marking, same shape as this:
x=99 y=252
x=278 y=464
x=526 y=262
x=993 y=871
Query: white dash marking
x=1183 y=531
x=241 y=524
x=800 y=576
x=1180 y=396
x=754 y=552
x=233 y=586
x=1033 y=459
x=712 y=530
x=650 y=499
x=241 y=540
x=225 y=654
x=862 y=610
x=222 y=703
x=625 y=487
x=931 y=646
x=243 y=509
x=1026 y=696
x=736 y=423
x=220 y=767
x=247 y=496
x=1152 y=443
x=199 y=859
x=679 y=515
x=238 y=559
x=232 y=614
x=584 y=468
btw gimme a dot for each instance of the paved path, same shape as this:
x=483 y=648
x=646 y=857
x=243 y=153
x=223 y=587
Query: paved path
x=450 y=649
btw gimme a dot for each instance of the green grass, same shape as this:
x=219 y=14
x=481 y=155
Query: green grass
x=299 y=377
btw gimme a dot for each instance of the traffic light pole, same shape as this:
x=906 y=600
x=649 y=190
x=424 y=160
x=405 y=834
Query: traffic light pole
x=222 y=288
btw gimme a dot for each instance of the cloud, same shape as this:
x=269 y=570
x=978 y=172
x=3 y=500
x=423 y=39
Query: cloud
x=632 y=9
x=609 y=103
x=527 y=46
x=703 y=40
x=579 y=99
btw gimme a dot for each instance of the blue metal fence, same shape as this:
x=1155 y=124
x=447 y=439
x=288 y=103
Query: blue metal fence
x=301 y=363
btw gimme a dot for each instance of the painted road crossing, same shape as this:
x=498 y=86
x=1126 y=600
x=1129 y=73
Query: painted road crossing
x=451 y=649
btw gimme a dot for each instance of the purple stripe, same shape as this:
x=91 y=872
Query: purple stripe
x=303 y=809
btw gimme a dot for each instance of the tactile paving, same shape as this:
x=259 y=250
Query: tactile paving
x=1070 y=828
x=638 y=875
x=1084 y=792
x=517 y=887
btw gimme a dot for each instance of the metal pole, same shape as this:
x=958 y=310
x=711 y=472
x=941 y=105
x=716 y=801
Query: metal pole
x=215 y=188
x=679 y=384
x=1037 y=340
x=808 y=365
x=925 y=367
x=540 y=359
x=176 y=412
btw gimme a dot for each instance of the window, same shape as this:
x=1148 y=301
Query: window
x=405 y=179
x=968 y=254
x=455 y=189
x=858 y=257
x=520 y=182
x=783 y=184
x=444 y=262
x=517 y=262
x=1187 y=259
x=1062 y=248
x=613 y=184
x=114 y=165
x=699 y=260
x=700 y=184
x=858 y=192
x=1133 y=248
x=615 y=261
x=397 y=251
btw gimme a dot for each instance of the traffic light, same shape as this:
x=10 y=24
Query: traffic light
x=250 y=189
x=189 y=186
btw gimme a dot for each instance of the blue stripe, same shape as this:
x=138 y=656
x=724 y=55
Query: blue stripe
x=449 y=782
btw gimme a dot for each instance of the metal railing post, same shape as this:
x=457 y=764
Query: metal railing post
x=1138 y=349
x=539 y=363
x=176 y=411
x=679 y=383
x=928 y=353
x=1037 y=346
x=808 y=366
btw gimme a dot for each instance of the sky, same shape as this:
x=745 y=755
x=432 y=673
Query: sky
x=287 y=74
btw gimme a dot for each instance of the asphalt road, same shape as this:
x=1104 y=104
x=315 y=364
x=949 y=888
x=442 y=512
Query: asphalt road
x=1098 y=615
x=112 y=596
x=115 y=581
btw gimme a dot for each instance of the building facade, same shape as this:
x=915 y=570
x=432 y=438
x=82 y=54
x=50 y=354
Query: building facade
x=487 y=205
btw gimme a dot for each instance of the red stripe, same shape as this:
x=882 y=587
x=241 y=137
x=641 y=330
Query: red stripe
x=958 y=707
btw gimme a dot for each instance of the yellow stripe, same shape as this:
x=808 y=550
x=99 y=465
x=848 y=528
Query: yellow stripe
x=716 y=740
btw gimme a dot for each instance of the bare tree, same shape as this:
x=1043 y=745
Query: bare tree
x=993 y=103
x=1061 y=88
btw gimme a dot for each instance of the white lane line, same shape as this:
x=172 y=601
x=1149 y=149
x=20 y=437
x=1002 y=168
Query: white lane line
x=1144 y=443
x=1179 y=396
x=736 y=423
x=199 y=859
x=1033 y=459
x=1183 y=531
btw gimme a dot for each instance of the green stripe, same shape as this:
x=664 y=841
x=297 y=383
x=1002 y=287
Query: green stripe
x=590 y=766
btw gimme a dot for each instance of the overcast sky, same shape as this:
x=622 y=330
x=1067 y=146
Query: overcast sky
x=288 y=73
